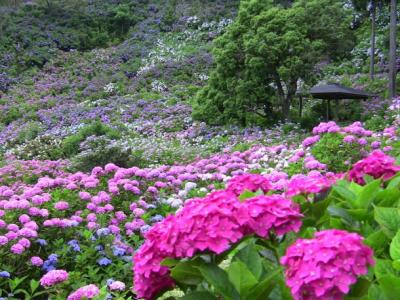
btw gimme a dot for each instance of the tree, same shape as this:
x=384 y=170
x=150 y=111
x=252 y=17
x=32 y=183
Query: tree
x=265 y=52
x=392 y=50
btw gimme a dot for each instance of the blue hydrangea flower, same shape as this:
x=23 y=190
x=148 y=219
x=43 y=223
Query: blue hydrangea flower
x=145 y=228
x=53 y=258
x=103 y=232
x=156 y=218
x=50 y=263
x=99 y=248
x=127 y=258
x=104 y=261
x=109 y=281
x=4 y=274
x=41 y=242
x=118 y=251
x=74 y=245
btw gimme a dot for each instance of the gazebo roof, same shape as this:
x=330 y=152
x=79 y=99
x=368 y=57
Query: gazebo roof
x=337 y=91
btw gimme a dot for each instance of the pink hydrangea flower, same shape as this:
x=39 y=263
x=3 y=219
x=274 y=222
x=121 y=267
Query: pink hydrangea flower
x=117 y=286
x=326 y=266
x=36 y=261
x=53 y=277
x=61 y=205
x=250 y=182
x=86 y=292
x=212 y=223
x=377 y=165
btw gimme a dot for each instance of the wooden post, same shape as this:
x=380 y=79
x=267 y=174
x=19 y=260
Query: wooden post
x=300 y=106
x=336 y=112
x=327 y=109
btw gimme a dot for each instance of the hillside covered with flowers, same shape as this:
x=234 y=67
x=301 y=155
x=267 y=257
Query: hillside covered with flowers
x=147 y=152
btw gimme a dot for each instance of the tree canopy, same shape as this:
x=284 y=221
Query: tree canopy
x=265 y=52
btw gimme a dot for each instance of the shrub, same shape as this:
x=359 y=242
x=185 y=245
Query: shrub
x=336 y=154
x=70 y=145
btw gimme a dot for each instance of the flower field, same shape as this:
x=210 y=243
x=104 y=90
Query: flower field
x=113 y=187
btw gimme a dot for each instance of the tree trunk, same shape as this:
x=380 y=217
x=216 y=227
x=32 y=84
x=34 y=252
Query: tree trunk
x=282 y=98
x=373 y=26
x=392 y=52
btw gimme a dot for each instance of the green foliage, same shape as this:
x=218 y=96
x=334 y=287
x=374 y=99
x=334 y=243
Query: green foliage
x=266 y=49
x=336 y=154
x=30 y=33
x=70 y=145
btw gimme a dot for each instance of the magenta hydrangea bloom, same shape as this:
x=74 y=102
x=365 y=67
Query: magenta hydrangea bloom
x=377 y=165
x=86 y=292
x=326 y=266
x=213 y=223
x=53 y=277
x=251 y=182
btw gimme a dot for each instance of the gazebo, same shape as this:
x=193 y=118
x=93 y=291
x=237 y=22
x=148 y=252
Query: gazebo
x=335 y=92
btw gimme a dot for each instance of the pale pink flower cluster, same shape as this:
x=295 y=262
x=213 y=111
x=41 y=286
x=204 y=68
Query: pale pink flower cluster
x=250 y=182
x=377 y=165
x=86 y=292
x=326 y=266
x=326 y=127
x=212 y=223
x=312 y=183
x=311 y=140
x=53 y=277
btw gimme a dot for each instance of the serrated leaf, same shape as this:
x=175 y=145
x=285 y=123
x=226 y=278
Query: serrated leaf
x=345 y=193
x=187 y=272
x=395 y=247
x=384 y=267
x=368 y=194
x=389 y=219
x=342 y=213
x=264 y=288
x=218 y=278
x=388 y=197
x=250 y=257
x=241 y=277
x=390 y=286
x=376 y=240
x=169 y=262
x=246 y=194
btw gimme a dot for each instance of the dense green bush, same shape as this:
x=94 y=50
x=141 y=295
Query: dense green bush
x=70 y=145
x=336 y=154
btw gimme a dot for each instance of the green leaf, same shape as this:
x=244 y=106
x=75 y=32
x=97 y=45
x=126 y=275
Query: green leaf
x=250 y=257
x=376 y=240
x=343 y=214
x=396 y=265
x=375 y=293
x=187 y=272
x=383 y=268
x=394 y=182
x=264 y=288
x=388 y=197
x=389 y=219
x=246 y=194
x=34 y=284
x=390 y=286
x=14 y=283
x=169 y=262
x=368 y=194
x=199 y=296
x=219 y=280
x=345 y=193
x=241 y=277
x=395 y=247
